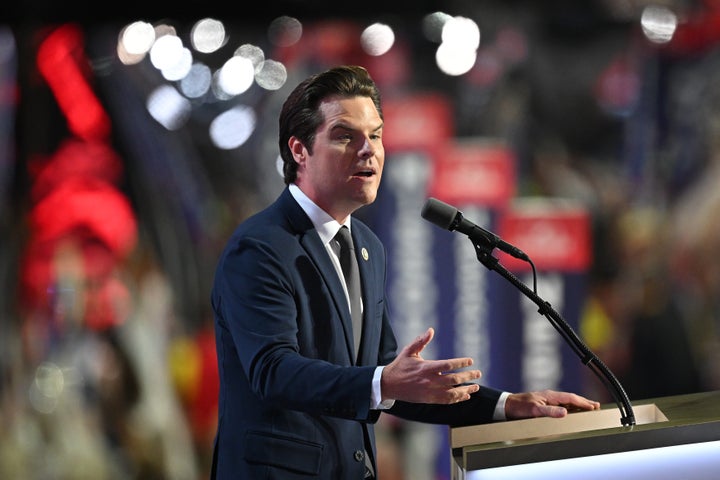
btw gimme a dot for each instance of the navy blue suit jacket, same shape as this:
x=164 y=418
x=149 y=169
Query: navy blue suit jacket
x=293 y=402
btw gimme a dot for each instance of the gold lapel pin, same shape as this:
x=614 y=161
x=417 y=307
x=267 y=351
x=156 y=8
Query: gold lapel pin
x=364 y=254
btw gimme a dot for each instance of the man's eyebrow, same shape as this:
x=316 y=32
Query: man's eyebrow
x=345 y=126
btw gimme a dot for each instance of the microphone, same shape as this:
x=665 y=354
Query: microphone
x=450 y=218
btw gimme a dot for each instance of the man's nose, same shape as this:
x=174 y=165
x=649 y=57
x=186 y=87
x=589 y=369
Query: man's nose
x=367 y=149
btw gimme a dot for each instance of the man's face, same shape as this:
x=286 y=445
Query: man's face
x=343 y=173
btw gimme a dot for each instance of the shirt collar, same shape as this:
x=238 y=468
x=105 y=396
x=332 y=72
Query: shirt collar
x=326 y=226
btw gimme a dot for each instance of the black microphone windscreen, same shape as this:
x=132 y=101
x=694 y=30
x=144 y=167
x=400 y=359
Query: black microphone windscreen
x=439 y=213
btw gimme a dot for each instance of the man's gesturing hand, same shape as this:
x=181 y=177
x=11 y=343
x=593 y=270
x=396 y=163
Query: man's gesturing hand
x=547 y=403
x=410 y=378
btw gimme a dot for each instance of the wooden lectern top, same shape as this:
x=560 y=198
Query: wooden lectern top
x=660 y=422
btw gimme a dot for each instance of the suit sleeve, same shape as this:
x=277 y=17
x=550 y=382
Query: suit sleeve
x=479 y=409
x=275 y=326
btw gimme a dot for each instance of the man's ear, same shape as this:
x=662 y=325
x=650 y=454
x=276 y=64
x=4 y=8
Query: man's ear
x=297 y=149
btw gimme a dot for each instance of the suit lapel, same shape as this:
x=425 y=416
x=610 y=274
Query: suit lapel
x=310 y=241
x=369 y=295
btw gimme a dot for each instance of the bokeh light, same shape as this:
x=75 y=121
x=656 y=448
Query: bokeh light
x=232 y=128
x=208 y=35
x=285 y=31
x=138 y=37
x=181 y=67
x=252 y=52
x=168 y=107
x=457 y=53
x=236 y=76
x=166 y=52
x=433 y=24
x=658 y=23
x=197 y=82
x=271 y=75
x=377 y=39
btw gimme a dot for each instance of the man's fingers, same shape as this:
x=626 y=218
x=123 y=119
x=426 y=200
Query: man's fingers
x=553 y=411
x=463 y=393
x=411 y=378
x=571 y=401
x=419 y=344
x=450 y=364
x=547 y=403
x=457 y=378
x=454 y=394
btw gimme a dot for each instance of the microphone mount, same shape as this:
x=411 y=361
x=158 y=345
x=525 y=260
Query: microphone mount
x=448 y=217
x=587 y=357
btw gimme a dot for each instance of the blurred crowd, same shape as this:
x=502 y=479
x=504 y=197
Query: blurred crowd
x=107 y=360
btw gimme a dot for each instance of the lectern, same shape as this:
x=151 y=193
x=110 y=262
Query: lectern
x=660 y=422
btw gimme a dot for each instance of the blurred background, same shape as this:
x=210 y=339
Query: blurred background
x=133 y=141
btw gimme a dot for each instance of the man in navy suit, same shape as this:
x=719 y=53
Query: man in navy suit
x=296 y=401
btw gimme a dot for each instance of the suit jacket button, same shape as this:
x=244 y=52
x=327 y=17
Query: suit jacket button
x=359 y=455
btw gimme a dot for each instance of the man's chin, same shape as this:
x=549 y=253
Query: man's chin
x=367 y=197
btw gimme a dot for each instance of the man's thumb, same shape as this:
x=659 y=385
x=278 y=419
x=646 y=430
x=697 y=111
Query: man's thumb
x=418 y=345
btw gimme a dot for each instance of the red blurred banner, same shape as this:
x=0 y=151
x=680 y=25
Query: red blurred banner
x=417 y=122
x=554 y=233
x=474 y=171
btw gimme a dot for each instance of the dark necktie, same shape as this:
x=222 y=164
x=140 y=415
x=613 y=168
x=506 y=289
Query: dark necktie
x=348 y=262
x=349 y=265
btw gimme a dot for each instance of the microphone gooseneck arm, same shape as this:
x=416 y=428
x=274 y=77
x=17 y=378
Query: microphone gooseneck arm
x=450 y=218
x=566 y=331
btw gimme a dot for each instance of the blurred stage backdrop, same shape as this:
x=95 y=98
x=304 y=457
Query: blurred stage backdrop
x=133 y=142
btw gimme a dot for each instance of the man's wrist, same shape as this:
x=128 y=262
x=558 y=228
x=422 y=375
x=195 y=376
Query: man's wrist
x=376 y=401
x=499 y=413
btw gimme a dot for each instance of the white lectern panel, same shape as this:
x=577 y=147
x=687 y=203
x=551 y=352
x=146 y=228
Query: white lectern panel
x=695 y=461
